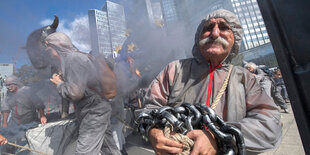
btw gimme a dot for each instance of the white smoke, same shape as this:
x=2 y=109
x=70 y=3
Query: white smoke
x=77 y=30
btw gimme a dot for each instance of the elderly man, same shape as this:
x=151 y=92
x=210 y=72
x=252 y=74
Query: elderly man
x=22 y=102
x=261 y=76
x=198 y=80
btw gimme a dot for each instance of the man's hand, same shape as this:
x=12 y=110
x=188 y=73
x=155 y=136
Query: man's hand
x=3 y=140
x=56 y=79
x=43 y=120
x=163 y=145
x=5 y=116
x=205 y=143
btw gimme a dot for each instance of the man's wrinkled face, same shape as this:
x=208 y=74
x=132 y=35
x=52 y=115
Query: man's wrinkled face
x=216 y=39
x=11 y=87
x=251 y=69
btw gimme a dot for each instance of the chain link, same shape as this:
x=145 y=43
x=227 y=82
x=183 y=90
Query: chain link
x=188 y=117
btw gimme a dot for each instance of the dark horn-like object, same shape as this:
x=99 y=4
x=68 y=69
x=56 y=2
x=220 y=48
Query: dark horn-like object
x=36 y=47
x=55 y=22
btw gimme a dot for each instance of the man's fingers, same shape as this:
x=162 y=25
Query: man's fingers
x=190 y=135
x=172 y=143
x=52 y=80
x=172 y=150
x=195 y=151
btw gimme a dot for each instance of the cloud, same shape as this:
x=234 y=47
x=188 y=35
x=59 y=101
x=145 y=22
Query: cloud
x=77 y=30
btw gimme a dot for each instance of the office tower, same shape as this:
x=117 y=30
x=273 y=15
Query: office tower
x=99 y=29
x=255 y=33
x=107 y=28
x=117 y=25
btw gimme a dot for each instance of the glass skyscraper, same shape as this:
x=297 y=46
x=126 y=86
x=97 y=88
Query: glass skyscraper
x=107 y=28
x=99 y=30
x=169 y=9
x=117 y=25
x=255 y=33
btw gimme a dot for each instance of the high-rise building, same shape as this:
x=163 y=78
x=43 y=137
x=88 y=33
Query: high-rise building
x=157 y=12
x=107 y=29
x=99 y=29
x=117 y=25
x=255 y=33
x=169 y=9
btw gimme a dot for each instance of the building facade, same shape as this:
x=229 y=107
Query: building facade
x=255 y=33
x=117 y=25
x=107 y=29
x=99 y=31
x=170 y=14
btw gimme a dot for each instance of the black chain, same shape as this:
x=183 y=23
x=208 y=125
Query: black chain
x=188 y=117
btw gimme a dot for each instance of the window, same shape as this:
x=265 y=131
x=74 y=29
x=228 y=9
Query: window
x=255 y=43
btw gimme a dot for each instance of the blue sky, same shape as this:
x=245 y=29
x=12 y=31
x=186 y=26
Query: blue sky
x=18 y=18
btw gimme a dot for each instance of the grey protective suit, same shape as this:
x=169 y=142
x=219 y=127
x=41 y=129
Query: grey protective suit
x=264 y=80
x=244 y=105
x=93 y=112
x=22 y=105
x=279 y=93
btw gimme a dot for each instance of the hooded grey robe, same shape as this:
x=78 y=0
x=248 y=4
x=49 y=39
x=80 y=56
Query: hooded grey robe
x=23 y=105
x=79 y=73
x=244 y=105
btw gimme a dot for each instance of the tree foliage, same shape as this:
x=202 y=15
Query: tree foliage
x=27 y=74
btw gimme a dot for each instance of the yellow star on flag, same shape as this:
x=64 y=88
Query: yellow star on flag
x=131 y=47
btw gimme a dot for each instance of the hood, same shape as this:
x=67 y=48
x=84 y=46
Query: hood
x=235 y=25
x=61 y=42
x=13 y=80
x=35 y=45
